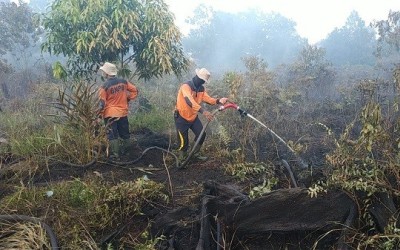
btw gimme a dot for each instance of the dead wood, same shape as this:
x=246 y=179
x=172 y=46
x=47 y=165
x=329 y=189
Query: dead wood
x=342 y=243
x=284 y=210
x=382 y=210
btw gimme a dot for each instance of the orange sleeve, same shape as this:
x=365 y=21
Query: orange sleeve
x=102 y=97
x=208 y=99
x=133 y=91
x=102 y=94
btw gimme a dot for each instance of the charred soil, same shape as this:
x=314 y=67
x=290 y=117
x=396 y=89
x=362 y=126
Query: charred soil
x=182 y=218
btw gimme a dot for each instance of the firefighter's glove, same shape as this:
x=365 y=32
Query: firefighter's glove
x=208 y=115
x=223 y=100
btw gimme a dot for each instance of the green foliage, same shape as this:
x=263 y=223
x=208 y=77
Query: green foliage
x=96 y=205
x=24 y=200
x=59 y=71
x=235 y=81
x=149 y=243
x=74 y=134
x=17 y=26
x=264 y=188
x=30 y=145
x=155 y=119
x=365 y=167
x=224 y=136
x=26 y=131
x=79 y=132
x=133 y=192
x=89 y=32
x=154 y=108
x=363 y=164
x=314 y=190
x=388 y=31
x=221 y=142
x=311 y=73
x=244 y=170
x=253 y=91
x=80 y=194
x=389 y=240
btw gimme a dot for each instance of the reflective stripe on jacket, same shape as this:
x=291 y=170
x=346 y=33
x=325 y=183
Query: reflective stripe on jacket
x=189 y=99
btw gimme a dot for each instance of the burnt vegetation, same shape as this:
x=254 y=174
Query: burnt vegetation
x=322 y=173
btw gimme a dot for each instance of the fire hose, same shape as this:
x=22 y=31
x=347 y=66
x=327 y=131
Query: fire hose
x=243 y=114
x=229 y=105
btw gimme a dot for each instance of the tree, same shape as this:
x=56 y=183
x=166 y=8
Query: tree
x=89 y=32
x=388 y=49
x=312 y=72
x=17 y=28
x=389 y=30
x=282 y=43
x=18 y=32
x=354 y=43
x=220 y=40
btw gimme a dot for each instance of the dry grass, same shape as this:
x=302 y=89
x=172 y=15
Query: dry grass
x=23 y=236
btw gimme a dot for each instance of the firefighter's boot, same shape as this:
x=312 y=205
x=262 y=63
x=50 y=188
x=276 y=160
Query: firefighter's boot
x=114 y=149
x=125 y=143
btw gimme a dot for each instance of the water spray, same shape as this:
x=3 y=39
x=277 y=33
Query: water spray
x=244 y=114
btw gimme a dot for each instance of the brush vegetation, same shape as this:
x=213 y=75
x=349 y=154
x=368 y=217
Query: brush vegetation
x=355 y=134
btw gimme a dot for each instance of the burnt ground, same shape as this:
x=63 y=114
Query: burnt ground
x=185 y=189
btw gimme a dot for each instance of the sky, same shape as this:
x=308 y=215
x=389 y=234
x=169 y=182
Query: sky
x=315 y=19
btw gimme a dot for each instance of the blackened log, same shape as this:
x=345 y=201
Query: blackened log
x=167 y=224
x=342 y=242
x=382 y=210
x=223 y=192
x=285 y=210
x=281 y=210
x=205 y=229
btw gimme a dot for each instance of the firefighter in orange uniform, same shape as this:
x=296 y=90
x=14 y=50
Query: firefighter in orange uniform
x=188 y=104
x=115 y=95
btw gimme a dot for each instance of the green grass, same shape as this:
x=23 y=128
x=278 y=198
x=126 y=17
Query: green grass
x=157 y=120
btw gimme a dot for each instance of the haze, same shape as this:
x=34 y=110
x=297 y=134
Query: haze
x=315 y=18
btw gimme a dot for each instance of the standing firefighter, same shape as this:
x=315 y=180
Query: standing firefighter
x=115 y=95
x=190 y=96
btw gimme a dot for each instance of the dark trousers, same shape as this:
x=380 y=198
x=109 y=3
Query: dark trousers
x=182 y=129
x=117 y=127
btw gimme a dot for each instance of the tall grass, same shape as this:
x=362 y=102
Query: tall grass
x=62 y=125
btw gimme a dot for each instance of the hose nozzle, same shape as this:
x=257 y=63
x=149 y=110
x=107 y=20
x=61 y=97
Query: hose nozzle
x=234 y=106
x=242 y=112
x=228 y=105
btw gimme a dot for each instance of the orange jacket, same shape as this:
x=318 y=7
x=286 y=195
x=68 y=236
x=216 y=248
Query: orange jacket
x=189 y=99
x=114 y=97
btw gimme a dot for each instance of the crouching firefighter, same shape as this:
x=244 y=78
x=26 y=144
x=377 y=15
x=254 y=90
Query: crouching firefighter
x=115 y=95
x=188 y=104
